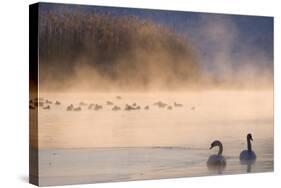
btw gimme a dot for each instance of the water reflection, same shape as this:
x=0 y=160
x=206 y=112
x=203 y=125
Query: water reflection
x=217 y=169
x=137 y=144
x=248 y=164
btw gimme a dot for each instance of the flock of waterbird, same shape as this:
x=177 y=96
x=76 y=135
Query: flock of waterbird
x=247 y=156
x=217 y=160
x=47 y=104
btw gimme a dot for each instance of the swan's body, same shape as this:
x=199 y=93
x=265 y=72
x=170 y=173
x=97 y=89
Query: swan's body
x=47 y=107
x=70 y=107
x=217 y=160
x=91 y=106
x=178 y=104
x=116 y=108
x=48 y=102
x=109 y=103
x=98 y=107
x=160 y=104
x=57 y=103
x=249 y=154
x=77 y=109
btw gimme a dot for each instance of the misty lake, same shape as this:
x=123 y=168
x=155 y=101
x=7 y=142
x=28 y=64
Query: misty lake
x=90 y=146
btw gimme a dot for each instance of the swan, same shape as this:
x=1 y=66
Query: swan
x=109 y=103
x=57 y=103
x=48 y=102
x=77 y=109
x=116 y=108
x=98 y=107
x=91 y=106
x=248 y=155
x=128 y=107
x=70 y=107
x=47 y=107
x=216 y=160
x=82 y=104
x=178 y=104
x=160 y=104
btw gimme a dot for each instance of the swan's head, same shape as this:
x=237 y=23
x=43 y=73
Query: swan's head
x=249 y=137
x=215 y=143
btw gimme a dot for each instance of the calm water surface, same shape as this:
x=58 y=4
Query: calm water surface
x=97 y=146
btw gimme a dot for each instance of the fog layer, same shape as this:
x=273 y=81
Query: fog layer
x=101 y=51
x=88 y=51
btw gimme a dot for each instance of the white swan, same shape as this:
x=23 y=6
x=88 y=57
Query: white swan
x=248 y=155
x=216 y=160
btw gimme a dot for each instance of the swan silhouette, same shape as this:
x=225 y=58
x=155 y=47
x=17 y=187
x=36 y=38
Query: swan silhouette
x=216 y=161
x=178 y=104
x=116 y=108
x=47 y=107
x=248 y=156
x=57 y=103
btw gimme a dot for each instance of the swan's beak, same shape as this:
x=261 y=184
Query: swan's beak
x=211 y=147
x=251 y=139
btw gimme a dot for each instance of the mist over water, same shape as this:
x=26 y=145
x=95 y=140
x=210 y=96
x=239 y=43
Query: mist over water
x=124 y=95
x=233 y=52
x=106 y=145
x=86 y=54
x=90 y=51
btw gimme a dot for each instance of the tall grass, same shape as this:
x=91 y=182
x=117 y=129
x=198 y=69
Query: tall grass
x=100 y=49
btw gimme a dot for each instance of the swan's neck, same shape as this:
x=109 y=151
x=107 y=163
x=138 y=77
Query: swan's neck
x=220 y=149
x=249 y=144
